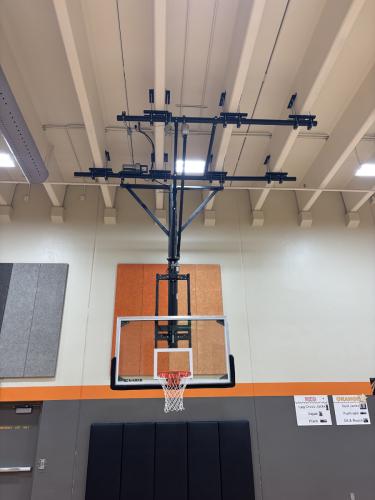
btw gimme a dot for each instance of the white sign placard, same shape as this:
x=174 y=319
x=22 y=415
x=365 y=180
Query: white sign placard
x=351 y=410
x=312 y=410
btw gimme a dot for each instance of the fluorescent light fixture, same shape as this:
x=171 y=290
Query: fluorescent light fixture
x=6 y=161
x=366 y=170
x=191 y=166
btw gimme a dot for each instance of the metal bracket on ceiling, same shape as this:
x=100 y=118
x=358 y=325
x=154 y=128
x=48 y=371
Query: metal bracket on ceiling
x=158 y=115
x=236 y=117
x=222 y=99
x=291 y=101
x=307 y=120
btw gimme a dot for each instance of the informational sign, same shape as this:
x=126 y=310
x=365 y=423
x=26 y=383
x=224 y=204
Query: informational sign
x=312 y=410
x=351 y=410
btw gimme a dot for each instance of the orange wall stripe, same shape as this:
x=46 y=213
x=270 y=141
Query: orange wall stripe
x=61 y=393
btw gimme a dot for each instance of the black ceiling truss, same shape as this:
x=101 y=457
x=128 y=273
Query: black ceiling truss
x=173 y=183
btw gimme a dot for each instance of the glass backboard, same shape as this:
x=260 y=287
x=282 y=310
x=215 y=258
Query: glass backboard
x=200 y=347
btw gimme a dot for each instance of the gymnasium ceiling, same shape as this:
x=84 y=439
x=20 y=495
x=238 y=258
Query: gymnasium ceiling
x=74 y=64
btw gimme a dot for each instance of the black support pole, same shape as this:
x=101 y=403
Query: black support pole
x=147 y=210
x=198 y=210
x=209 y=152
x=166 y=180
x=181 y=209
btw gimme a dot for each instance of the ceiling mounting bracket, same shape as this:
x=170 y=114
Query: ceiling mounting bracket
x=292 y=99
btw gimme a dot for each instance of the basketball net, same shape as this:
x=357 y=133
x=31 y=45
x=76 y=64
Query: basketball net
x=174 y=384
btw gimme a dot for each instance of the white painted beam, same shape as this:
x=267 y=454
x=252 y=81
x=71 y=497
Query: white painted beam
x=327 y=42
x=354 y=123
x=72 y=28
x=57 y=215
x=7 y=193
x=209 y=218
x=56 y=193
x=352 y=220
x=249 y=16
x=5 y=214
x=160 y=46
x=354 y=201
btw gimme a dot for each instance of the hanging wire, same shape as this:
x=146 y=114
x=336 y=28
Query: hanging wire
x=208 y=62
x=73 y=149
x=127 y=126
x=245 y=298
x=262 y=84
x=357 y=156
x=185 y=50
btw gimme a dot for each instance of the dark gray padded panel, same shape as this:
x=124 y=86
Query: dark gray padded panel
x=17 y=320
x=165 y=461
x=5 y=275
x=46 y=325
x=237 y=480
x=171 y=461
x=204 y=461
x=138 y=459
x=104 y=463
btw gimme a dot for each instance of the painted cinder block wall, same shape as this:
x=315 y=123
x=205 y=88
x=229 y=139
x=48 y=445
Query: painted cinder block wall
x=300 y=302
x=301 y=309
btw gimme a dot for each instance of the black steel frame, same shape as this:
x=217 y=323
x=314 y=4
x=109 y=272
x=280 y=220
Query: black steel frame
x=167 y=180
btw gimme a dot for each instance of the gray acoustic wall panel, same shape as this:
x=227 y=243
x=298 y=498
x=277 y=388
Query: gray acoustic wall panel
x=45 y=329
x=31 y=322
x=18 y=316
x=5 y=275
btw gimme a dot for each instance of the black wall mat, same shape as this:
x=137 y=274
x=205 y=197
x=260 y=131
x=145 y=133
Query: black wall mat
x=169 y=461
x=204 y=461
x=235 y=457
x=104 y=464
x=138 y=458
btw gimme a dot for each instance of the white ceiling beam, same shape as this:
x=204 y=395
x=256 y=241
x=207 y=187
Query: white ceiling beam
x=72 y=28
x=354 y=123
x=354 y=201
x=56 y=193
x=327 y=42
x=249 y=17
x=7 y=193
x=160 y=47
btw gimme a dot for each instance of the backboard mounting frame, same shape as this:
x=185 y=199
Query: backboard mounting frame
x=139 y=384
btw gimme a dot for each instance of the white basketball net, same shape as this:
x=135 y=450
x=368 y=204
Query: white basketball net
x=174 y=384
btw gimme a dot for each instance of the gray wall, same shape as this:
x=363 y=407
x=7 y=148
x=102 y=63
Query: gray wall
x=290 y=462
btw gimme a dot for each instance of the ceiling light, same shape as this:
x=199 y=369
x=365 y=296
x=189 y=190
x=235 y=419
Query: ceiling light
x=6 y=161
x=191 y=166
x=366 y=170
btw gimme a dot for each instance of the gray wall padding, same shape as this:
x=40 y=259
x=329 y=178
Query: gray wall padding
x=30 y=332
x=5 y=275
x=45 y=329
x=18 y=316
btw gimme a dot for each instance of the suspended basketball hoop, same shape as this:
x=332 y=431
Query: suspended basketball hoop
x=174 y=384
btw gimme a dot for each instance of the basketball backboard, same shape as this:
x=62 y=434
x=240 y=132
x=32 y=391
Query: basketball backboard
x=142 y=351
